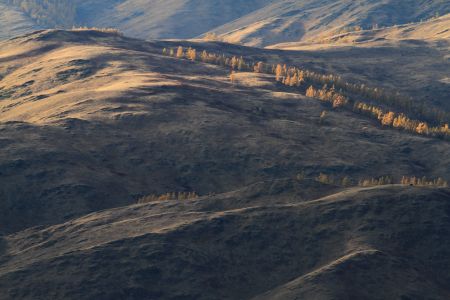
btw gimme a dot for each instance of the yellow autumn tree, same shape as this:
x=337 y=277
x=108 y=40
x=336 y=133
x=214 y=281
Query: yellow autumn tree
x=278 y=72
x=388 y=119
x=180 y=52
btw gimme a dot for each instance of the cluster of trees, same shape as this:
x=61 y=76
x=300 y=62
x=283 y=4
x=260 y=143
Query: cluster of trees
x=104 y=29
x=289 y=77
x=401 y=121
x=234 y=63
x=346 y=181
x=416 y=181
x=377 y=95
x=328 y=95
x=375 y=181
x=168 y=196
x=333 y=89
x=332 y=180
x=51 y=13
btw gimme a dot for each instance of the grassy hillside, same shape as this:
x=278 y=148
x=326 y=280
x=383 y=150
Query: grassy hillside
x=49 y=13
x=92 y=120
x=255 y=22
x=388 y=242
x=292 y=21
x=14 y=22
x=435 y=32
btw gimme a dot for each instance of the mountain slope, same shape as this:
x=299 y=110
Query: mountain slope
x=255 y=22
x=386 y=242
x=14 y=22
x=435 y=32
x=92 y=120
x=291 y=21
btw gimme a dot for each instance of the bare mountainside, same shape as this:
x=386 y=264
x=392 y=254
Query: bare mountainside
x=14 y=21
x=253 y=22
x=435 y=32
x=311 y=20
x=389 y=242
x=93 y=120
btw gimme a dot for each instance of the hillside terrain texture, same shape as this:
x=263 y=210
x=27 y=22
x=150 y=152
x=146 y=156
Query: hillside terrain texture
x=91 y=121
x=229 y=150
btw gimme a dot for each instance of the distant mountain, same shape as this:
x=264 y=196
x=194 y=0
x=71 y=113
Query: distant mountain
x=252 y=22
x=435 y=32
x=14 y=21
x=311 y=20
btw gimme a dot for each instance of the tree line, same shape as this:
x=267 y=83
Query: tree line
x=168 y=196
x=346 y=181
x=339 y=93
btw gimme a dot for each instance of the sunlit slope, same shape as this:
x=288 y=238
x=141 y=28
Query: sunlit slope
x=293 y=21
x=252 y=22
x=92 y=120
x=434 y=32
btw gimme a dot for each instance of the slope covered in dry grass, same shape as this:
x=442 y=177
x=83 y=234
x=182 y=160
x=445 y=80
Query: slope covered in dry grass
x=387 y=242
x=93 y=120
x=311 y=20
x=252 y=22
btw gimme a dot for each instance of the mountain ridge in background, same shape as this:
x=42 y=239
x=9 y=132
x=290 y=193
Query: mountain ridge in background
x=217 y=149
x=255 y=22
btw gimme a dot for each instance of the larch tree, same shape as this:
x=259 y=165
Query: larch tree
x=279 y=72
x=180 y=52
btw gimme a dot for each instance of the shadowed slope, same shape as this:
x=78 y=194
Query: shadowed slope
x=331 y=247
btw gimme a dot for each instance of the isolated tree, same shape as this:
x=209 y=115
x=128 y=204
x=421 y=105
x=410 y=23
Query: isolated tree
x=241 y=64
x=234 y=63
x=204 y=56
x=294 y=80
x=278 y=72
x=259 y=67
x=339 y=101
x=191 y=54
x=180 y=52
x=422 y=128
x=311 y=92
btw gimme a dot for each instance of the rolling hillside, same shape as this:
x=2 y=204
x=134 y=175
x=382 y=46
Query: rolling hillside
x=291 y=21
x=388 y=242
x=92 y=120
x=313 y=166
x=255 y=22
x=435 y=32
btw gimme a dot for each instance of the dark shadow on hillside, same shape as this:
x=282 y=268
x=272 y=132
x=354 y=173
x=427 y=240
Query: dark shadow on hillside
x=2 y=246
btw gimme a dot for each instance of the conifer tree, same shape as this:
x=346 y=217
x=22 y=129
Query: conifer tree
x=279 y=72
x=180 y=52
